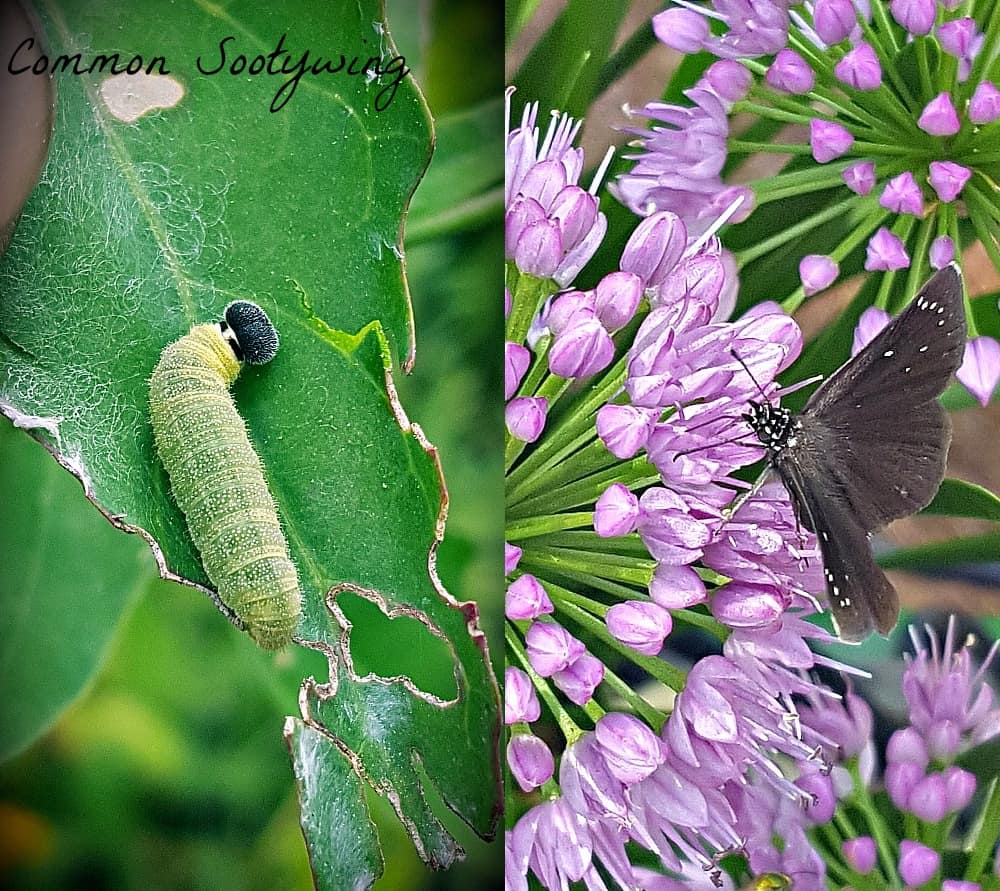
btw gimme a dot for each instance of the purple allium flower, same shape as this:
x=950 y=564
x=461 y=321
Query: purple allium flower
x=917 y=862
x=520 y=702
x=616 y=512
x=630 y=749
x=817 y=273
x=551 y=648
x=980 y=369
x=960 y=885
x=860 y=177
x=860 y=853
x=552 y=226
x=917 y=16
x=676 y=586
x=928 y=799
x=530 y=760
x=959 y=38
x=624 y=429
x=939 y=117
x=886 y=251
x=948 y=178
x=834 y=20
x=681 y=29
x=516 y=361
x=744 y=605
x=939 y=685
x=901 y=779
x=960 y=786
x=589 y=785
x=846 y=724
x=525 y=417
x=984 y=106
x=554 y=842
x=511 y=557
x=872 y=321
x=860 y=68
x=906 y=746
x=581 y=350
x=526 y=599
x=902 y=195
x=828 y=140
x=580 y=679
x=790 y=73
x=942 y=252
x=616 y=298
x=728 y=79
x=640 y=625
x=666 y=526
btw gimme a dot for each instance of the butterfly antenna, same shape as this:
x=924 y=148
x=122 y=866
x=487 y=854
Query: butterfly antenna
x=746 y=368
x=713 y=445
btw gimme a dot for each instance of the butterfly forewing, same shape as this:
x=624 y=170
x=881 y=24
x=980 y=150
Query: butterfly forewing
x=883 y=435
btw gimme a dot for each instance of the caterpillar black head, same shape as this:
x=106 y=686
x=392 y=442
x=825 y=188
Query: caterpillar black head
x=249 y=331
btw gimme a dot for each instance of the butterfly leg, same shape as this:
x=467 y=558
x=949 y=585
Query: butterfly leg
x=742 y=499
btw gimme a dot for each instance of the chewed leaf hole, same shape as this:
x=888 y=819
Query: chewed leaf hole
x=398 y=647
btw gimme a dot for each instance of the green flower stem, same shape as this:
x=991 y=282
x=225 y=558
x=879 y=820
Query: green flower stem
x=594 y=710
x=527 y=485
x=775 y=148
x=582 y=579
x=838 y=209
x=607 y=566
x=874 y=880
x=578 y=418
x=567 y=725
x=527 y=294
x=538 y=369
x=818 y=94
x=919 y=261
x=592 y=458
x=834 y=867
x=702 y=621
x=530 y=527
x=860 y=232
x=884 y=148
x=652 y=715
x=885 y=289
x=636 y=474
x=924 y=66
x=667 y=674
x=588 y=540
x=512 y=449
x=980 y=158
x=986 y=834
x=885 y=27
x=777 y=114
x=976 y=202
x=886 y=849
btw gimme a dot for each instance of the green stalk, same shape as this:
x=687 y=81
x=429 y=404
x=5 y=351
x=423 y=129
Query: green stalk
x=652 y=715
x=883 y=841
x=986 y=836
x=531 y=527
x=808 y=224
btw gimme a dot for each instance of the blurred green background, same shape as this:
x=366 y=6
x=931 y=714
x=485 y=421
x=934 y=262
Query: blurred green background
x=170 y=771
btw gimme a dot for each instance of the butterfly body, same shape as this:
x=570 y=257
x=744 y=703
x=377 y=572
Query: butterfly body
x=870 y=447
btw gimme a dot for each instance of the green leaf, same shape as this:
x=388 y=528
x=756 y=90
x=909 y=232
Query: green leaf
x=66 y=580
x=974 y=549
x=139 y=229
x=343 y=846
x=957 y=498
x=562 y=70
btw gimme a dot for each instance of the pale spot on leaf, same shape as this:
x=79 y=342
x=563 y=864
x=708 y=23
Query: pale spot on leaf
x=129 y=96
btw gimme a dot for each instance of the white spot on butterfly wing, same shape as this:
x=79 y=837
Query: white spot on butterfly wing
x=889 y=353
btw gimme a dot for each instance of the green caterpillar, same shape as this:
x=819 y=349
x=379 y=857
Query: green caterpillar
x=217 y=477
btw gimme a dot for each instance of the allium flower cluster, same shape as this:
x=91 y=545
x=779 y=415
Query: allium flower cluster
x=896 y=120
x=608 y=545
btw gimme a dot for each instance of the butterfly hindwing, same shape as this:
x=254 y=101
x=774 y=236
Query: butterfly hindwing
x=861 y=598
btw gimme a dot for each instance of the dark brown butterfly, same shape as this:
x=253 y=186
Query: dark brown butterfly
x=870 y=447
